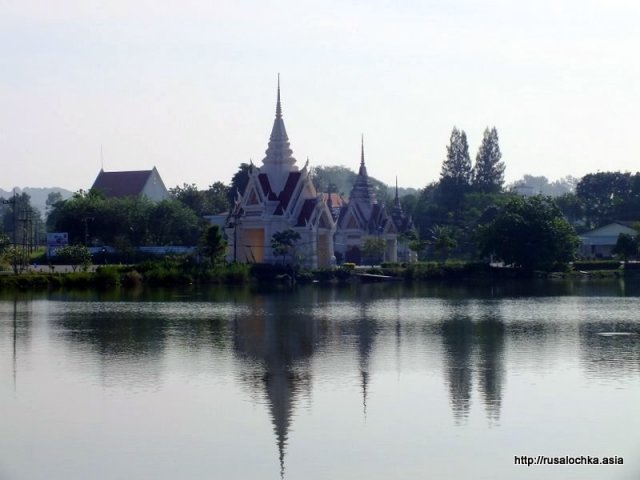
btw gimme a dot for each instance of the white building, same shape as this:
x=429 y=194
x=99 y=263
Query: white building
x=279 y=197
x=362 y=218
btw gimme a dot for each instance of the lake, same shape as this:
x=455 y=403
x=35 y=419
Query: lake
x=354 y=382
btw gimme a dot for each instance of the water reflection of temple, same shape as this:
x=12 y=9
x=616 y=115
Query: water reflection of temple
x=276 y=347
x=365 y=331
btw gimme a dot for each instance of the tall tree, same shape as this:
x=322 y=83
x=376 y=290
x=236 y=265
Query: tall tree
x=456 y=169
x=212 y=244
x=488 y=172
x=239 y=182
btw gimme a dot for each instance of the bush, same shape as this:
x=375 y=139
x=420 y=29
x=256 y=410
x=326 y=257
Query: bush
x=237 y=273
x=108 y=276
x=588 y=265
x=349 y=266
x=24 y=282
x=77 y=279
x=166 y=277
x=343 y=273
x=447 y=270
x=132 y=279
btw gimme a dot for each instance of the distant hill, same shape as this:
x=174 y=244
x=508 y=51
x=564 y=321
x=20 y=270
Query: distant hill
x=38 y=195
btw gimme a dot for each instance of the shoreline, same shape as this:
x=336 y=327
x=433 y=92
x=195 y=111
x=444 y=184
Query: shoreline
x=166 y=274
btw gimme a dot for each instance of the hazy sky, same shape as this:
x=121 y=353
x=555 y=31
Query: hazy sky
x=190 y=86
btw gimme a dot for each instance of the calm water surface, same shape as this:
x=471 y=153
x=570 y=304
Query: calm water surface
x=375 y=382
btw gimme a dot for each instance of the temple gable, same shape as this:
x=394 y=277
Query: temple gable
x=278 y=197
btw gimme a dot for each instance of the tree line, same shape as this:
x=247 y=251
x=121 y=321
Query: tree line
x=460 y=215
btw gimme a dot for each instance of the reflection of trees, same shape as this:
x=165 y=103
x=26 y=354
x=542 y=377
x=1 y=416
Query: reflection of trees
x=614 y=355
x=474 y=345
x=130 y=339
x=457 y=337
x=276 y=343
x=129 y=345
x=490 y=340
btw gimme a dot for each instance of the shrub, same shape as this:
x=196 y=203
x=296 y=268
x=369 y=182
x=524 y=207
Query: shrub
x=237 y=273
x=77 y=279
x=588 y=265
x=132 y=279
x=108 y=276
x=343 y=273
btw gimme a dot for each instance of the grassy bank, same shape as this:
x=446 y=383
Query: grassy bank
x=176 y=271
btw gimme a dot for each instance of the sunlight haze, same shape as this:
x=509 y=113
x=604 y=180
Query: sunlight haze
x=190 y=87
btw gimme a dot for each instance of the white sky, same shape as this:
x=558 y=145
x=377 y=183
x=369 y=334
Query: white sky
x=190 y=86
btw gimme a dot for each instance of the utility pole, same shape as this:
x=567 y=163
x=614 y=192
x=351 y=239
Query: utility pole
x=236 y=221
x=13 y=202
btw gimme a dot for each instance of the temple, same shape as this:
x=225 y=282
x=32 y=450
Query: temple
x=331 y=229
x=279 y=197
x=363 y=217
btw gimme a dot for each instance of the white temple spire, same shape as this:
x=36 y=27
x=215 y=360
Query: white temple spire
x=279 y=159
x=278 y=105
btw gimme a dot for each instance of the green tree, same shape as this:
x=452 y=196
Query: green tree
x=626 y=247
x=415 y=243
x=340 y=179
x=91 y=218
x=373 y=250
x=607 y=197
x=75 y=255
x=191 y=197
x=442 y=241
x=52 y=199
x=212 y=244
x=239 y=182
x=456 y=169
x=529 y=233
x=173 y=224
x=17 y=257
x=572 y=207
x=4 y=241
x=283 y=243
x=488 y=171
x=217 y=197
x=203 y=202
x=337 y=179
